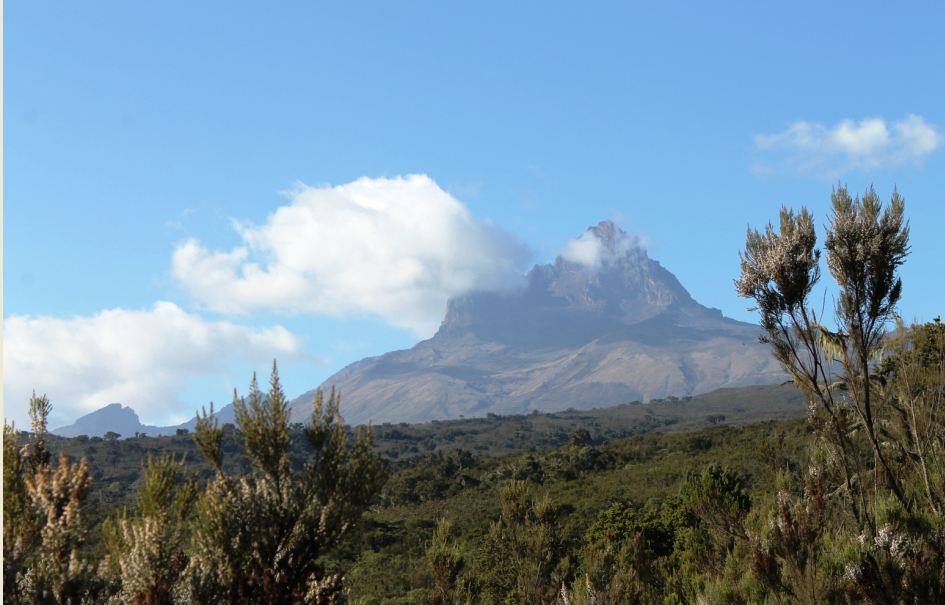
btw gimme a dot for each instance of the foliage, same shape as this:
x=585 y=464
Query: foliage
x=256 y=538
x=520 y=553
x=146 y=550
x=446 y=564
x=116 y=466
x=391 y=553
x=259 y=538
x=625 y=553
x=867 y=522
x=42 y=522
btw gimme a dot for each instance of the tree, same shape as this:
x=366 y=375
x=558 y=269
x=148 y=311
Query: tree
x=865 y=247
x=625 y=552
x=42 y=520
x=520 y=554
x=579 y=437
x=873 y=406
x=146 y=548
x=911 y=378
x=719 y=497
x=446 y=563
x=259 y=538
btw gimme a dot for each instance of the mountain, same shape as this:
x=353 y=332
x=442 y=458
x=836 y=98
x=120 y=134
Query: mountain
x=124 y=421
x=113 y=417
x=603 y=325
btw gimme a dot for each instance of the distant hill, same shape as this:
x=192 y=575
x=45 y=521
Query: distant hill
x=113 y=417
x=124 y=420
x=601 y=326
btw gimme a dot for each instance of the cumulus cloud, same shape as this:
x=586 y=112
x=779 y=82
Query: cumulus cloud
x=395 y=248
x=600 y=245
x=142 y=358
x=849 y=145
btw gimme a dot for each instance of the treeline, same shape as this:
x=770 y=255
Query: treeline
x=115 y=463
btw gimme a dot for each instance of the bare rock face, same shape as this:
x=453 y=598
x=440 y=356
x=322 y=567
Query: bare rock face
x=605 y=324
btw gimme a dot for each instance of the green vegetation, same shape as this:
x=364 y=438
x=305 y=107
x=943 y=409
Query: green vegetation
x=865 y=519
x=258 y=537
x=728 y=498
x=116 y=465
x=592 y=509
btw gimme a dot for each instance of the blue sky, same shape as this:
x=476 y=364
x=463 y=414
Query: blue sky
x=135 y=130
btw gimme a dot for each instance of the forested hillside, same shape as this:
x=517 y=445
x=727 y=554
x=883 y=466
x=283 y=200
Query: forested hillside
x=590 y=464
x=116 y=462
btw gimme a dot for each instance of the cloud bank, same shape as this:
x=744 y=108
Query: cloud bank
x=142 y=358
x=395 y=248
x=849 y=145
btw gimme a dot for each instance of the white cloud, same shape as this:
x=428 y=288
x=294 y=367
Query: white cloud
x=587 y=249
x=396 y=248
x=600 y=245
x=849 y=145
x=141 y=358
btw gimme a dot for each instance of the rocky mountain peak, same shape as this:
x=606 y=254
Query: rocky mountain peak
x=604 y=323
x=603 y=278
x=613 y=239
x=602 y=245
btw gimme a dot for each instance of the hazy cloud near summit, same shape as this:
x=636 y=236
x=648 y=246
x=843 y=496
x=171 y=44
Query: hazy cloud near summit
x=396 y=248
x=143 y=358
x=848 y=145
x=589 y=250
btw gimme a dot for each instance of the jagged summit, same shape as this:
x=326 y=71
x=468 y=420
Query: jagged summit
x=603 y=324
x=603 y=243
x=601 y=282
x=610 y=269
x=608 y=233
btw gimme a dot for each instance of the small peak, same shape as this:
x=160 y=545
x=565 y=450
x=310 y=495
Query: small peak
x=607 y=231
x=614 y=239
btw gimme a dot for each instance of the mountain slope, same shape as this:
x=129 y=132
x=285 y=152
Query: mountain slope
x=603 y=325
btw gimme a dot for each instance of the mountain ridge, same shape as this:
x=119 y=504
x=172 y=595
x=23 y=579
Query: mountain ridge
x=601 y=325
